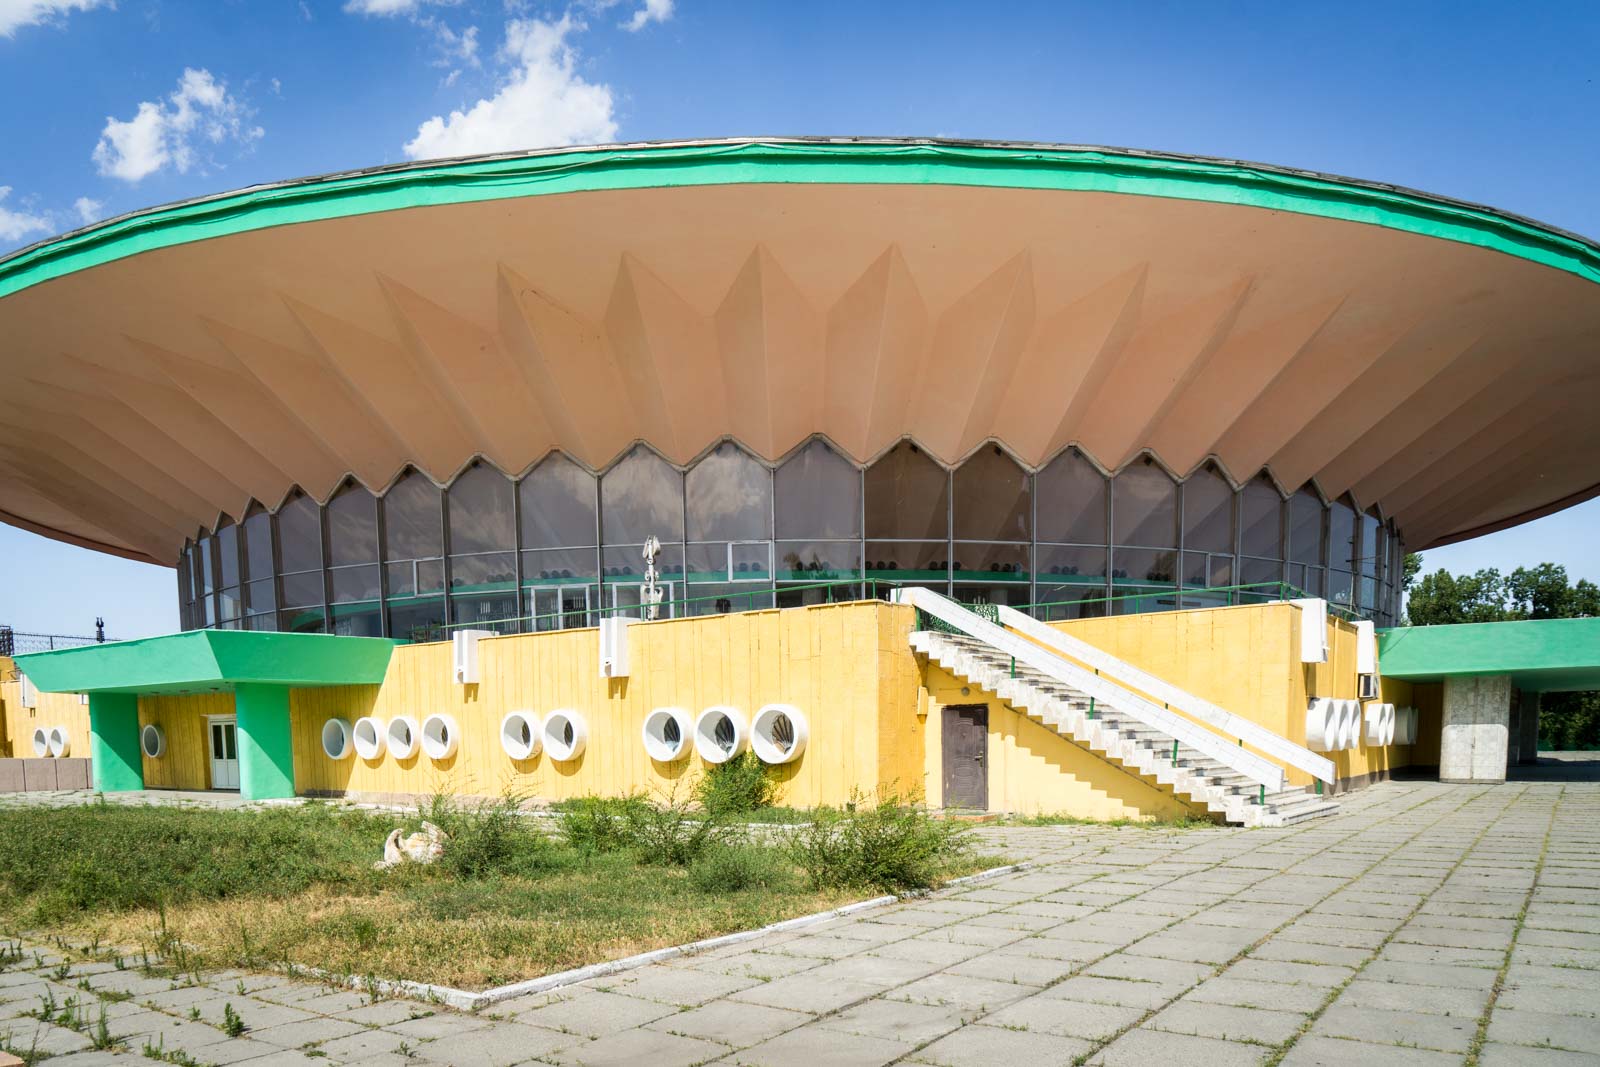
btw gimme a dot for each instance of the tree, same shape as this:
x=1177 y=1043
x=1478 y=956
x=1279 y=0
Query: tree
x=1566 y=720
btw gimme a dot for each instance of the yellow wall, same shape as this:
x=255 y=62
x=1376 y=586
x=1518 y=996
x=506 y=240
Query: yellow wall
x=833 y=662
x=186 y=764
x=1033 y=770
x=1246 y=660
x=54 y=709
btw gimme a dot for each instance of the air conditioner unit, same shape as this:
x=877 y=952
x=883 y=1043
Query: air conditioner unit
x=1313 y=629
x=614 y=647
x=464 y=655
x=29 y=696
x=1367 y=687
x=1366 y=647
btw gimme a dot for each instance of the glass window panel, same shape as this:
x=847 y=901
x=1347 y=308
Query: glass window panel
x=908 y=561
x=417 y=618
x=725 y=599
x=801 y=595
x=1063 y=564
x=729 y=496
x=1342 y=548
x=1341 y=588
x=751 y=561
x=1261 y=520
x=357 y=620
x=264 y=622
x=257 y=531
x=300 y=534
x=482 y=514
x=1072 y=500
x=302 y=620
x=261 y=595
x=1202 y=569
x=228 y=555
x=993 y=498
x=1305 y=527
x=558 y=506
x=641 y=497
x=229 y=607
x=558 y=566
x=1014 y=594
x=1075 y=601
x=994 y=562
x=1371 y=551
x=352 y=526
x=207 y=575
x=818 y=561
x=1144 y=506
x=1262 y=572
x=303 y=589
x=908 y=496
x=413 y=519
x=351 y=584
x=486 y=611
x=818 y=495
x=1208 y=512
x=625 y=564
x=483 y=572
x=1142 y=566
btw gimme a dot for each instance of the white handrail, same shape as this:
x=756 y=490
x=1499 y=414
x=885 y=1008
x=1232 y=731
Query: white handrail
x=1256 y=768
x=1275 y=745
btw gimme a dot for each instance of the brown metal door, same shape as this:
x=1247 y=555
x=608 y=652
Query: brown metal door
x=965 y=740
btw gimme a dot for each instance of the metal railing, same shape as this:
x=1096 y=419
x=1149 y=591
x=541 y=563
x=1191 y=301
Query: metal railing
x=19 y=643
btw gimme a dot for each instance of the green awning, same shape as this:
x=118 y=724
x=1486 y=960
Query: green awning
x=208 y=661
x=1541 y=655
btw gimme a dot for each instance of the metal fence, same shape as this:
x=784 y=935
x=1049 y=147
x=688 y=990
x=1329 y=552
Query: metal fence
x=17 y=643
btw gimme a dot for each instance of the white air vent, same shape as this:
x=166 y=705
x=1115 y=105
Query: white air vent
x=1367 y=686
x=29 y=695
x=614 y=647
x=1366 y=647
x=1313 y=629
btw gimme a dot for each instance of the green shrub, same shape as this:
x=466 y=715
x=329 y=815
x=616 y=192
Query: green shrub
x=593 y=824
x=895 y=846
x=670 y=834
x=737 y=868
x=741 y=785
x=492 y=838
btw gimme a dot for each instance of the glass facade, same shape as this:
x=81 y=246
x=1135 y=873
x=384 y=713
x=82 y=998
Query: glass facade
x=562 y=545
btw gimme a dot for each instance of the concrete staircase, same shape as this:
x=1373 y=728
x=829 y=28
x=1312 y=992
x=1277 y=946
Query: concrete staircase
x=1113 y=734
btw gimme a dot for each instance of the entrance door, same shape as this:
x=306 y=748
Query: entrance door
x=965 y=740
x=224 y=753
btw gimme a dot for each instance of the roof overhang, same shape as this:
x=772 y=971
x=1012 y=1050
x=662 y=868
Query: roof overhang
x=1436 y=358
x=1541 y=655
x=210 y=661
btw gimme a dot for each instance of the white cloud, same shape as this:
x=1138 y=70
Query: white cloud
x=15 y=14
x=543 y=102
x=15 y=225
x=87 y=210
x=652 y=11
x=173 y=131
x=384 y=8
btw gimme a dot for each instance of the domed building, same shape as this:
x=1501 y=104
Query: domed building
x=1088 y=382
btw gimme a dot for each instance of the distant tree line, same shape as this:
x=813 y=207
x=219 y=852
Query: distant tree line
x=1566 y=720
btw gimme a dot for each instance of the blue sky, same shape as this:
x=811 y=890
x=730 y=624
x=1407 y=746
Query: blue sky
x=106 y=107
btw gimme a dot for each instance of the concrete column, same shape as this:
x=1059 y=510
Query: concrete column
x=1477 y=728
x=266 y=760
x=114 y=742
x=1528 y=745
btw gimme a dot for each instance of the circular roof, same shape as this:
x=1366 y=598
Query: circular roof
x=1436 y=359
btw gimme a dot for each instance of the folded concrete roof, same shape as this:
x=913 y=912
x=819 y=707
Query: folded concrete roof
x=1437 y=359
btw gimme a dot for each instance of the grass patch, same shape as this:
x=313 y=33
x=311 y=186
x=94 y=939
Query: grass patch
x=1155 y=822
x=513 y=898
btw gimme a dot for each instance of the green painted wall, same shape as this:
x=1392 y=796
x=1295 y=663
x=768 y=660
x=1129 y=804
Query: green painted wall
x=266 y=759
x=114 y=742
x=1540 y=655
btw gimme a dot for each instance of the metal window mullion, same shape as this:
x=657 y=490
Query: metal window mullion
x=327 y=571
x=381 y=514
x=445 y=562
x=516 y=541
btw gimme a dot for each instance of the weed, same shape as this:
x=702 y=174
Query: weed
x=894 y=845
x=30 y=1055
x=232 y=1025
x=406 y=1050
x=100 y=1037
x=493 y=838
x=62 y=972
x=737 y=786
x=47 y=1006
x=593 y=825
x=670 y=834
x=736 y=868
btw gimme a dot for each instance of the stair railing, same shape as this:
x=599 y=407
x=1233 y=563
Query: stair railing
x=1257 y=768
x=1126 y=674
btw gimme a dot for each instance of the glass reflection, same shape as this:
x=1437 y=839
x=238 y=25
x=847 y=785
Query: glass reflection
x=818 y=495
x=907 y=496
x=1144 y=506
x=641 y=497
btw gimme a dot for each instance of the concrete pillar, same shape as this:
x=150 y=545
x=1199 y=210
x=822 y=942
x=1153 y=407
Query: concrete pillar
x=266 y=760
x=1477 y=726
x=1528 y=744
x=114 y=742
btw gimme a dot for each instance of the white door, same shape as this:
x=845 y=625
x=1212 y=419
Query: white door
x=224 y=753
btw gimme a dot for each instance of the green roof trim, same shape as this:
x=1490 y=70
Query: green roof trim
x=642 y=166
x=210 y=660
x=1541 y=655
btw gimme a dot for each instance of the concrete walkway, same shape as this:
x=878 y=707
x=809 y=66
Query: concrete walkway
x=1424 y=924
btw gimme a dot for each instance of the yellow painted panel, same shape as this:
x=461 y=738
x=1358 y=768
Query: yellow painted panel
x=186 y=764
x=822 y=659
x=1034 y=770
x=54 y=709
